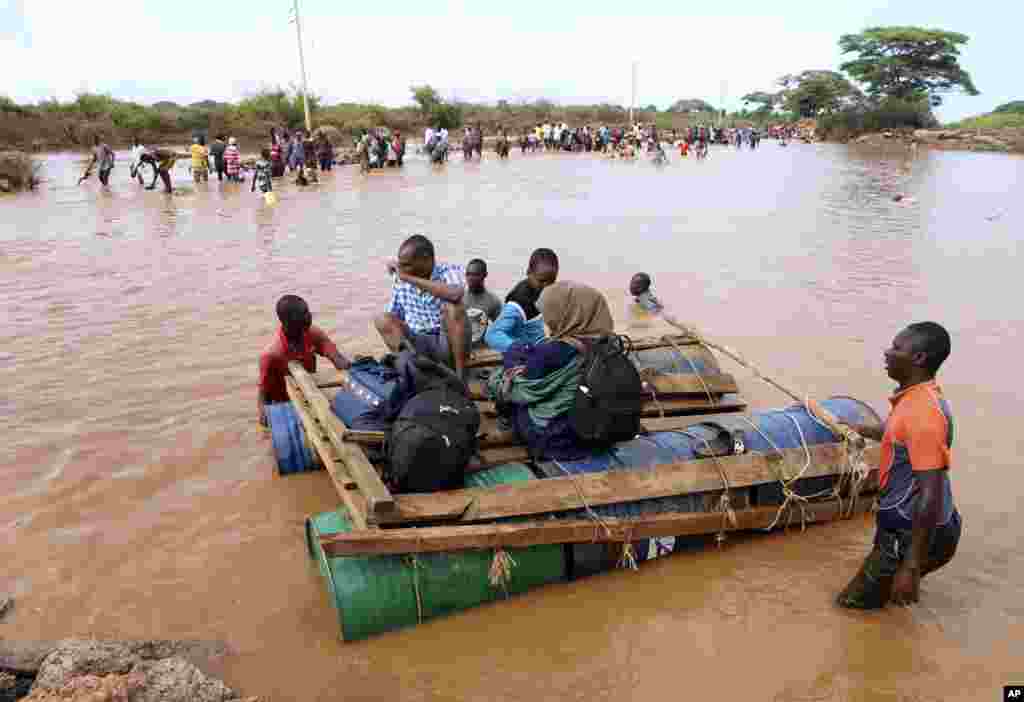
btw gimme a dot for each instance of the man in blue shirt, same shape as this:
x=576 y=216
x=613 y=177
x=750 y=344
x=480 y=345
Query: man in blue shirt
x=426 y=306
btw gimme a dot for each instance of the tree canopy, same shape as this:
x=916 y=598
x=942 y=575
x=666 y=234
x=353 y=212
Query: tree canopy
x=426 y=97
x=813 y=92
x=434 y=109
x=691 y=105
x=907 y=63
x=1015 y=106
x=766 y=101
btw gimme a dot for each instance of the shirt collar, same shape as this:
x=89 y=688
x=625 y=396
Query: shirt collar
x=307 y=344
x=894 y=400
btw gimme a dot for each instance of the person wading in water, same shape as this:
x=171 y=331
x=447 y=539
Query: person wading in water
x=918 y=526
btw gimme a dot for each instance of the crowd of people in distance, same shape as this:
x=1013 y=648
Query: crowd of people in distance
x=379 y=148
x=299 y=152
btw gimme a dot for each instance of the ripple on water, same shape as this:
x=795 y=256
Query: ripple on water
x=137 y=353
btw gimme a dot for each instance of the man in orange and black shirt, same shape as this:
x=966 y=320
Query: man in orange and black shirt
x=918 y=524
x=296 y=340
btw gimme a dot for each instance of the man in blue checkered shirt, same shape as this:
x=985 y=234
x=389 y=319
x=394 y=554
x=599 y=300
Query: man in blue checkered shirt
x=426 y=306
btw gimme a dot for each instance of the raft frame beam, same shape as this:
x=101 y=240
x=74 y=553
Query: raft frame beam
x=560 y=531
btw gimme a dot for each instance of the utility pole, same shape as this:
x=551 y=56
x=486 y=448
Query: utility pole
x=632 y=98
x=302 y=65
x=721 y=118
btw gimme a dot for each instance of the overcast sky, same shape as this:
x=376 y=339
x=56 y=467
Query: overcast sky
x=570 y=52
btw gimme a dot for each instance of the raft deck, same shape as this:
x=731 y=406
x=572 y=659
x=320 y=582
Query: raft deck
x=522 y=514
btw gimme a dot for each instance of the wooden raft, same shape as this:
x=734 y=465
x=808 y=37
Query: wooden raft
x=457 y=519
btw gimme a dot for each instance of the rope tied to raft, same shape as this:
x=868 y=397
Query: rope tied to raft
x=591 y=514
x=415 y=565
x=791 y=496
x=646 y=375
x=854 y=470
x=628 y=558
x=501 y=569
x=693 y=366
x=724 y=505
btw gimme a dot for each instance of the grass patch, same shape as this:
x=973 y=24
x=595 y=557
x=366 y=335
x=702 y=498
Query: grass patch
x=994 y=120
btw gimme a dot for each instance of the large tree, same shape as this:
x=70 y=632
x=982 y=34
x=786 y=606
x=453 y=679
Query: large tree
x=691 y=105
x=426 y=97
x=812 y=93
x=907 y=63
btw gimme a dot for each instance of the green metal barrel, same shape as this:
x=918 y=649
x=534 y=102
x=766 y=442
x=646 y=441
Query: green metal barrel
x=375 y=594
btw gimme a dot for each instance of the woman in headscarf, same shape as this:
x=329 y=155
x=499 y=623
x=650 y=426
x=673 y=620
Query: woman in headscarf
x=537 y=387
x=520 y=320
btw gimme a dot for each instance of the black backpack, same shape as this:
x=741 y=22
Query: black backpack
x=609 y=395
x=435 y=434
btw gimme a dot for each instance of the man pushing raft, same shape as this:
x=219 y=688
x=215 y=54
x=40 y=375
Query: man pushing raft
x=918 y=525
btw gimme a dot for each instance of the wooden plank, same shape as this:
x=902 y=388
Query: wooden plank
x=690 y=384
x=663 y=384
x=490 y=357
x=343 y=482
x=563 y=531
x=617 y=486
x=498 y=455
x=378 y=498
x=672 y=405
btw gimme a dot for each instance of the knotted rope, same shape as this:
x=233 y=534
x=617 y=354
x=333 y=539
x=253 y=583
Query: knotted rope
x=790 y=496
x=415 y=565
x=724 y=505
x=628 y=557
x=500 y=573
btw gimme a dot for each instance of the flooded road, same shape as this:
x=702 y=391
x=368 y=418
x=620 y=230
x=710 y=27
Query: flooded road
x=138 y=497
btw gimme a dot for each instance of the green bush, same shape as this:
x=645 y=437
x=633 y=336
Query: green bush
x=1017 y=107
x=93 y=105
x=11 y=107
x=278 y=105
x=995 y=120
x=135 y=118
x=891 y=113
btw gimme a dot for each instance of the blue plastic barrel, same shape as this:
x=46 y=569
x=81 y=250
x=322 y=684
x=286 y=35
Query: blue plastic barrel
x=687 y=360
x=289 y=439
x=778 y=430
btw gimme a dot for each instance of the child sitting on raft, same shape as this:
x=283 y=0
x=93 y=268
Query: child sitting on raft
x=297 y=340
x=520 y=320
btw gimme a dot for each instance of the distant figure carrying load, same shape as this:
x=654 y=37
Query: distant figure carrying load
x=103 y=159
x=162 y=161
x=263 y=173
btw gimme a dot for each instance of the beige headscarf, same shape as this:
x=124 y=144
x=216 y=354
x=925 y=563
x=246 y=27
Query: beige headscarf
x=573 y=310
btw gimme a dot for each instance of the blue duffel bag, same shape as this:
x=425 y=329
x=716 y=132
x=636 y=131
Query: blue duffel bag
x=373 y=397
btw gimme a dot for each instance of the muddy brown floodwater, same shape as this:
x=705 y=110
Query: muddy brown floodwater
x=138 y=498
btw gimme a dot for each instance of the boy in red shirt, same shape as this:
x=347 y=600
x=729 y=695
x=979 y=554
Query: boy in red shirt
x=918 y=527
x=297 y=340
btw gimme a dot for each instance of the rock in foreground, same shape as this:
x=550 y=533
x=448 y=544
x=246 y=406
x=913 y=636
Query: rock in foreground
x=153 y=671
